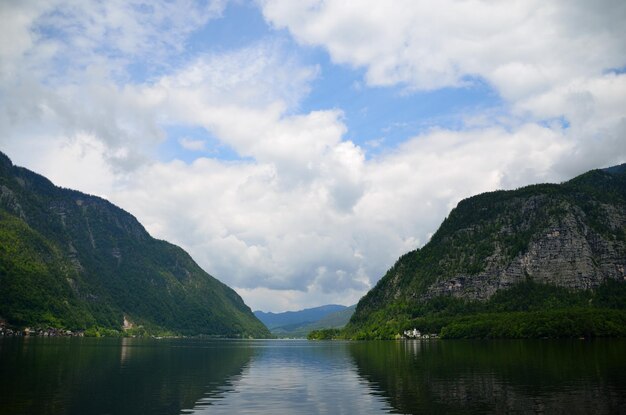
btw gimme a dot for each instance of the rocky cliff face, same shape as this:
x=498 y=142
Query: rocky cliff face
x=571 y=235
x=73 y=260
x=566 y=251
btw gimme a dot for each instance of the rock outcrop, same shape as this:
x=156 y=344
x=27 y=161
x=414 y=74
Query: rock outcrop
x=566 y=252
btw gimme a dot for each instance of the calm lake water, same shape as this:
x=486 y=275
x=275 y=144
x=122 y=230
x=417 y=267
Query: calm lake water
x=182 y=376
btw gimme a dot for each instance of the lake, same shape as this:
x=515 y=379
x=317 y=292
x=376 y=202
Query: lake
x=191 y=376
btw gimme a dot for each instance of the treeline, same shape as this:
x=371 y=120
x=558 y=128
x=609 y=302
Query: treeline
x=325 y=334
x=569 y=323
x=527 y=310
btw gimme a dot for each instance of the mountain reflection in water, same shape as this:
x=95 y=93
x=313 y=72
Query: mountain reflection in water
x=189 y=376
x=516 y=376
x=113 y=376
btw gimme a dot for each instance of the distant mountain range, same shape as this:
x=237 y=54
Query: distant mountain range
x=300 y=323
x=546 y=260
x=75 y=261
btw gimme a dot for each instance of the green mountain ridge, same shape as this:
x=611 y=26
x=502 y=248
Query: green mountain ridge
x=334 y=320
x=549 y=246
x=298 y=324
x=295 y=318
x=72 y=260
x=337 y=319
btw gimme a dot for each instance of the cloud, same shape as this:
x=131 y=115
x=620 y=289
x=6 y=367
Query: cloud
x=191 y=144
x=304 y=216
x=120 y=31
x=549 y=61
x=519 y=47
x=68 y=65
x=245 y=226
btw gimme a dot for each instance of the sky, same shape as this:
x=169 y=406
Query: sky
x=297 y=148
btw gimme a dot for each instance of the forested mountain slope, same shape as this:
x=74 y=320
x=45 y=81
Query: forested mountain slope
x=541 y=247
x=75 y=261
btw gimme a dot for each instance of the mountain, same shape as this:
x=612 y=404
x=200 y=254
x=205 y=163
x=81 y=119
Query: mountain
x=308 y=315
x=335 y=320
x=540 y=248
x=75 y=261
x=295 y=319
x=301 y=323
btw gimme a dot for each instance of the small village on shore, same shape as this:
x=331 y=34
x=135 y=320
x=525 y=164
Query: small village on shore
x=416 y=334
x=39 y=332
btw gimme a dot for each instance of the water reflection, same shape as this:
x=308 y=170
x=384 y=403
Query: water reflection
x=132 y=376
x=496 y=376
x=297 y=377
x=112 y=376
